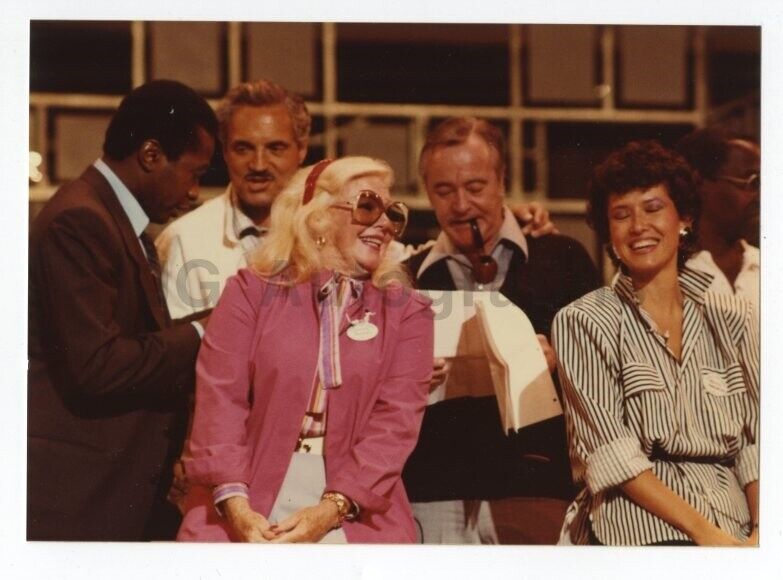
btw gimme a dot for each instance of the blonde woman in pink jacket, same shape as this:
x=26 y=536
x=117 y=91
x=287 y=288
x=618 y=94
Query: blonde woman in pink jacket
x=312 y=376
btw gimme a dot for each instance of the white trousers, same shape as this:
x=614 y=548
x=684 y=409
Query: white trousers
x=454 y=522
x=513 y=520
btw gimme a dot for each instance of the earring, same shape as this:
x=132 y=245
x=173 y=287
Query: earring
x=612 y=251
x=320 y=242
x=685 y=233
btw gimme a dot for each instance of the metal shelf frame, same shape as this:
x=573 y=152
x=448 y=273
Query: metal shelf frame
x=515 y=115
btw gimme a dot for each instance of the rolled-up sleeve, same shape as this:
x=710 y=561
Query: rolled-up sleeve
x=217 y=446
x=610 y=453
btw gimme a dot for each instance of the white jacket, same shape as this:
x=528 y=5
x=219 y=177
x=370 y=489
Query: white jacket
x=198 y=253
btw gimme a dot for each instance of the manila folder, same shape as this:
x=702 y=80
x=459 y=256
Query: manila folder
x=520 y=376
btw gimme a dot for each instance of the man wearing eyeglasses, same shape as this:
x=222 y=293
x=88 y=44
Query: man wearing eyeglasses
x=729 y=227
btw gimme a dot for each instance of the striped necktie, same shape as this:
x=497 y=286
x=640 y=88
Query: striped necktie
x=154 y=262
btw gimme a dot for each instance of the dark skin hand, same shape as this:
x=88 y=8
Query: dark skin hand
x=535 y=219
x=179 y=487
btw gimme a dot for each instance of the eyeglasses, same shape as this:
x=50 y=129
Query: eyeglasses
x=750 y=183
x=369 y=207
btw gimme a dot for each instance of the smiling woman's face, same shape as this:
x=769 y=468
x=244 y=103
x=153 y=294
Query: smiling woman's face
x=644 y=228
x=360 y=245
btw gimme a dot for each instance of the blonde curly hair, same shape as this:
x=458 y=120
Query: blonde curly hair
x=291 y=250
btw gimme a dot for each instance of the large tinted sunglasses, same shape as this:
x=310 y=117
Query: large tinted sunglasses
x=369 y=207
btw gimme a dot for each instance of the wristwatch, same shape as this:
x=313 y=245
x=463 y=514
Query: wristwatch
x=346 y=509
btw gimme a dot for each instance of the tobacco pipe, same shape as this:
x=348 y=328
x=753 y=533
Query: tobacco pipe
x=485 y=268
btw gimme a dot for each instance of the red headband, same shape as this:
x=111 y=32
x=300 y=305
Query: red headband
x=315 y=173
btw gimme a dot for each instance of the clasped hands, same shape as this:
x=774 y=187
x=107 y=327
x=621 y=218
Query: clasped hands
x=308 y=525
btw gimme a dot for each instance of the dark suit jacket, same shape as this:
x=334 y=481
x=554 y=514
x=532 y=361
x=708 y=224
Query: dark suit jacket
x=462 y=451
x=108 y=372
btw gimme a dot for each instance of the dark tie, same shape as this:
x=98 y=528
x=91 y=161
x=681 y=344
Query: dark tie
x=250 y=231
x=152 y=259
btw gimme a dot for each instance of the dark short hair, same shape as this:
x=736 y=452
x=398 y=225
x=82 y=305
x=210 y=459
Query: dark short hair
x=164 y=110
x=643 y=165
x=455 y=131
x=707 y=150
x=265 y=93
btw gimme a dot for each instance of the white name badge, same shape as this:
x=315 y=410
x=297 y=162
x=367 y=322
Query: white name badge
x=362 y=330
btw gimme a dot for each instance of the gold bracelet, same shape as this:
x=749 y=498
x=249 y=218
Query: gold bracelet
x=344 y=506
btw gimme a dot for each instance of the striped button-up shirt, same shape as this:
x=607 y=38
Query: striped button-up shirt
x=631 y=405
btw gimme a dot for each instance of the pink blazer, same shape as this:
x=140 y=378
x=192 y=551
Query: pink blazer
x=255 y=372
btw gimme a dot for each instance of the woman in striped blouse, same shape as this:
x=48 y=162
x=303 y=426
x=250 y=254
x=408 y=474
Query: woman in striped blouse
x=660 y=377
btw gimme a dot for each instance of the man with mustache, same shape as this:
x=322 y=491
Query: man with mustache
x=730 y=170
x=469 y=482
x=264 y=130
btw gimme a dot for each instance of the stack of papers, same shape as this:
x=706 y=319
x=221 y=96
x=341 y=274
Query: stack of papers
x=493 y=350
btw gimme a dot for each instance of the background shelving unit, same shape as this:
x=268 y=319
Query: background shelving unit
x=565 y=95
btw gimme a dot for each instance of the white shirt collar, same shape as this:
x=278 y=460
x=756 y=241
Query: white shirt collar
x=693 y=283
x=236 y=220
x=138 y=219
x=751 y=256
x=703 y=260
x=444 y=247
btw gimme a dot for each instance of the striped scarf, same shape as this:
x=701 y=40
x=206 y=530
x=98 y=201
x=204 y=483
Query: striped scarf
x=334 y=297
